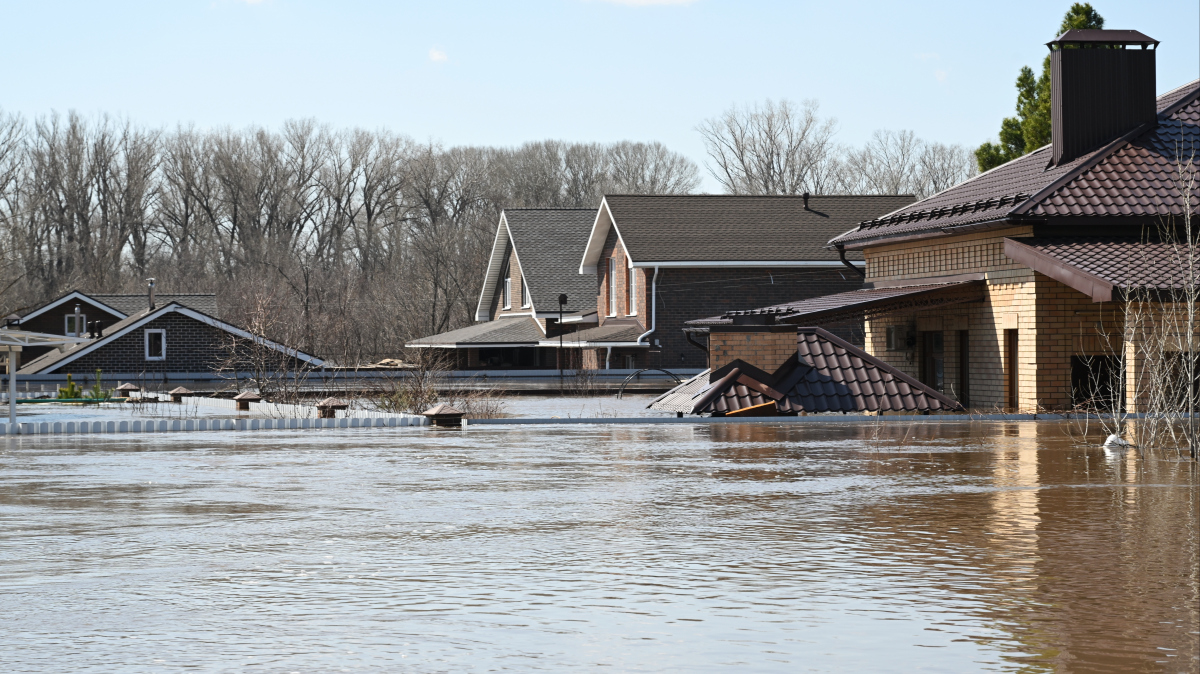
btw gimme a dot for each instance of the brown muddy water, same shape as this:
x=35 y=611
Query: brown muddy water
x=752 y=548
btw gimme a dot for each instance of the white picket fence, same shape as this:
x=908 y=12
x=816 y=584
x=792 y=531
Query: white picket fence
x=285 y=411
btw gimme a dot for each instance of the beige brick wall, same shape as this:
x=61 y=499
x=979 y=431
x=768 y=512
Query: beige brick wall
x=764 y=349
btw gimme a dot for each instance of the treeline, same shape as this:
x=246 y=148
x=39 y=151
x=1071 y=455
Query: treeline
x=345 y=243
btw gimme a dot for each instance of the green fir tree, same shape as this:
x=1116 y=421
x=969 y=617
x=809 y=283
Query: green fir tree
x=1030 y=129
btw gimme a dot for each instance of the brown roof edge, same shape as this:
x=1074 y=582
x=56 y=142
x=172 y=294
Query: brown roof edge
x=868 y=358
x=1094 y=286
x=716 y=389
x=931 y=233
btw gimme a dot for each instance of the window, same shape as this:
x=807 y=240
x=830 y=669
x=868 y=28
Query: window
x=524 y=293
x=156 y=344
x=630 y=289
x=612 y=286
x=507 y=288
x=72 y=330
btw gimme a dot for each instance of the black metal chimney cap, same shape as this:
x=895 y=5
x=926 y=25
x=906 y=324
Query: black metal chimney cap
x=1097 y=36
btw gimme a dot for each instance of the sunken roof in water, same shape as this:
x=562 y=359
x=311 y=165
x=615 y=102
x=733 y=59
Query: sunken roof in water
x=826 y=374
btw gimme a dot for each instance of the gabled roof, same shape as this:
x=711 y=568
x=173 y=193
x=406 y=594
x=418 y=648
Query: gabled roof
x=124 y=305
x=1130 y=177
x=702 y=229
x=53 y=360
x=548 y=243
x=510 y=331
x=826 y=374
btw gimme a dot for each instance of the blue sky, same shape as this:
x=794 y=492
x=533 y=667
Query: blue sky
x=587 y=70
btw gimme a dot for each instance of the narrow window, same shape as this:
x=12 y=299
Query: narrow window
x=71 y=328
x=630 y=289
x=156 y=344
x=964 y=368
x=507 y=288
x=1014 y=399
x=524 y=293
x=612 y=286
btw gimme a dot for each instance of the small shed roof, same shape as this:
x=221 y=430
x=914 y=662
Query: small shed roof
x=442 y=409
x=332 y=403
x=247 y=395
x=128 y=386
x=179 y=391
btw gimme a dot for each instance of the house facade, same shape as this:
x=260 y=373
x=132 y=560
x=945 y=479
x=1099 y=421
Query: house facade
x=1012 y=290
x=77 y=313
x=170 y=342
x=532 y=263
x=659 y=261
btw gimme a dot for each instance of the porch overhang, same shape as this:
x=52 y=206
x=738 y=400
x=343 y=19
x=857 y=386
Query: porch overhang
x=1107 y=268
x=850 y=305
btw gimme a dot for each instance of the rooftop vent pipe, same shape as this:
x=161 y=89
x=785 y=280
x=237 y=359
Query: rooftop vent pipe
x=805 y=195
x=150 y=289
x=1101 y=86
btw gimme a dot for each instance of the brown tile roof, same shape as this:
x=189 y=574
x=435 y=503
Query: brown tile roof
x=714 y=228
x=1097 y=265
x=1129 y=177
x=853 y=302
x=827 y=374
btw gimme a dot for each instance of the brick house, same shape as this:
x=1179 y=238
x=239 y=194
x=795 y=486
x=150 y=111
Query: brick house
x=172 y=341
x=534 y=255
x=77 y=313
x=1006 y=291
x=658 y=261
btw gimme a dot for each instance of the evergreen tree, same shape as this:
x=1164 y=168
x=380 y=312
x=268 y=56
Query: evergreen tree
x=1030 y=129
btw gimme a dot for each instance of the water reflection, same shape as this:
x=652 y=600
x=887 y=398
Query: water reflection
x=952 y=547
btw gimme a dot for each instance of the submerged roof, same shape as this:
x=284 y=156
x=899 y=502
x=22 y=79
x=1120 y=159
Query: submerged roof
x=700 y=228
x=548 y=243
x=515 y=331
x=827 y=374
x=1131 y=177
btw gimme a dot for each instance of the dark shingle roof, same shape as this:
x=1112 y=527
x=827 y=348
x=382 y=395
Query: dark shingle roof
x=549 y=243
x=827 y=374
x=1121 y=179
x=838 y=305
x=133 y=304
x=605 y=333
x=522 y=330
x=714 y=228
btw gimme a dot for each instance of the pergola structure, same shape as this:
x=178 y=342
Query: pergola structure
x=13 y=341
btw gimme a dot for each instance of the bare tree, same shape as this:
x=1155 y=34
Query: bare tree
x=773 y=148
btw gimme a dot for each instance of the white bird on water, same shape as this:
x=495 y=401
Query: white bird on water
x=1115 y=441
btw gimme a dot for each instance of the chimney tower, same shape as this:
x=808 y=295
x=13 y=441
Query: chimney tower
x=1102 y=86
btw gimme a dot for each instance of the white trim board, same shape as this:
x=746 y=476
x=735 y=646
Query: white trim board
x=75 y=295
x=750 y=263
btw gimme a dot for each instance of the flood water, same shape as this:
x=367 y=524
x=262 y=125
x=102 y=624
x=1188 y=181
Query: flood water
x=753 y=548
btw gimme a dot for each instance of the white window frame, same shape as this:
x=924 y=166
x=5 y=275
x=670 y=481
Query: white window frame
x=631 y=282
x=525 y=302
x=67 y=325
x=146 y=341
x=612 y=286
x=507 y=299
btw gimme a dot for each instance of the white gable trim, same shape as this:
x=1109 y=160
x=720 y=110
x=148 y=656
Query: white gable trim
x=495 y=265
x=595 y=246
x=77 y=296
x=751 y=263
x=190 y=313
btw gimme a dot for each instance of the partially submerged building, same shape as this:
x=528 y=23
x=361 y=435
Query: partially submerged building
x=659 y=261
x=1010 y=289
x=533 y=263
x=171 y=342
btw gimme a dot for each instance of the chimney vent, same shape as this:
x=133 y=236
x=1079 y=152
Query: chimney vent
x=150 y=289
x=1102 y=86
x=805 y=201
